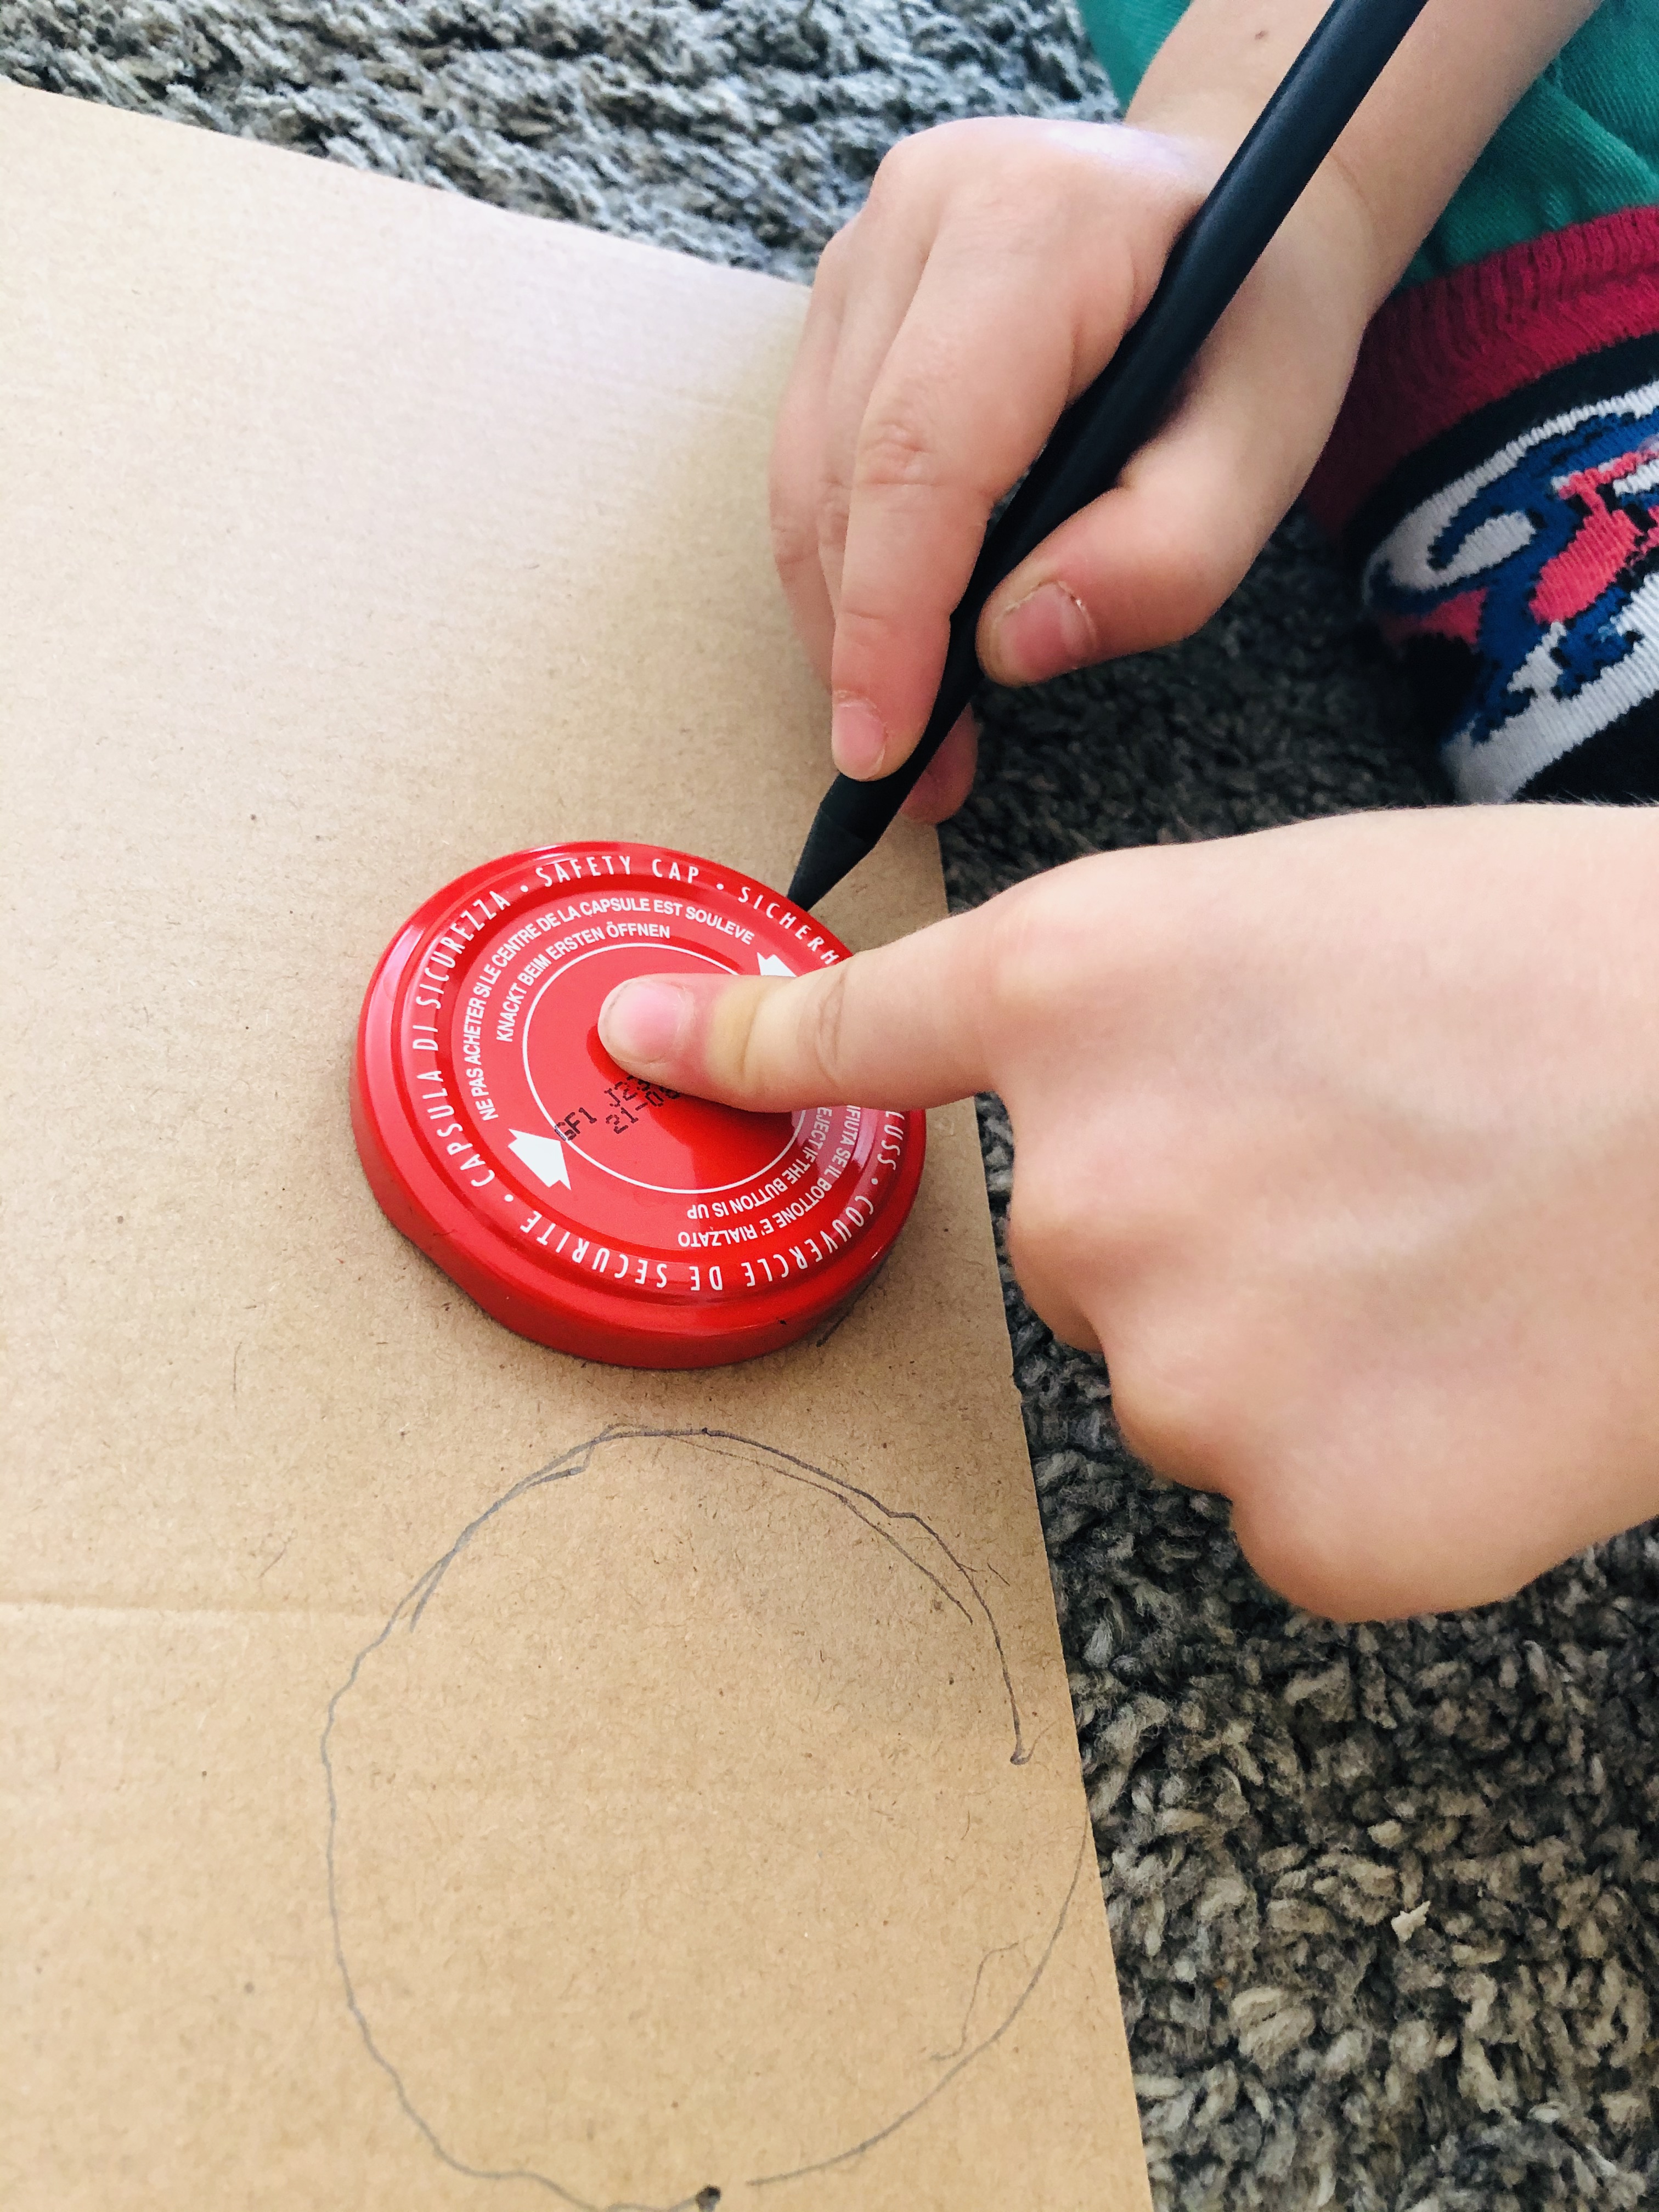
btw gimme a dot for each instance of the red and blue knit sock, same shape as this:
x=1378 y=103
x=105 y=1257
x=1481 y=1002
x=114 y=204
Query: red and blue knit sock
x=1494 y=480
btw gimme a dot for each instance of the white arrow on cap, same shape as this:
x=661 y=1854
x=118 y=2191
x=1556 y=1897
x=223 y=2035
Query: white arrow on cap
x=771 y=965
x=543 y=1156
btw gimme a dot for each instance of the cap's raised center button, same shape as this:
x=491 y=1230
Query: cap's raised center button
x=654 y=1138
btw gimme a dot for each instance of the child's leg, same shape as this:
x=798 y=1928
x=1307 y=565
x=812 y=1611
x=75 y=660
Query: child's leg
x=1494 y=478
x=1494 y=475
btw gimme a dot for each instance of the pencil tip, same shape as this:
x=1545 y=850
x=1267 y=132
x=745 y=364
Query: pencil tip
x=829 y=853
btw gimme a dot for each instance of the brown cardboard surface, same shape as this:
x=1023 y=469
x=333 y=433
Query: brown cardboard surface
x=434 y=1780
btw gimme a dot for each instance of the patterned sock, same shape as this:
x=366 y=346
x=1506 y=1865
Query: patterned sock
x=1494 y=481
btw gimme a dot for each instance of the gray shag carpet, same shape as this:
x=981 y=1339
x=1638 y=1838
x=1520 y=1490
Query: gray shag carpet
x=1384 y=1899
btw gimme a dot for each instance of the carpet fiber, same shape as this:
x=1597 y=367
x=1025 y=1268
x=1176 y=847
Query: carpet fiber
x=1384 y=1900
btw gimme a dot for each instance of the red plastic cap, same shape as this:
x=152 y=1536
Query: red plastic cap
x=587 y=1210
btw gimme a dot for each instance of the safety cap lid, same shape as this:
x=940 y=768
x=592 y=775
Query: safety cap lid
x=587 y=1209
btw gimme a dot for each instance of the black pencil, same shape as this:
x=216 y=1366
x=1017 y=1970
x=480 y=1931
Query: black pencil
x=1098 y=434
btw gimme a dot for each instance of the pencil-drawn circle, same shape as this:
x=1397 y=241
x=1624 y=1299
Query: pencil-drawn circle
x=633 y=1964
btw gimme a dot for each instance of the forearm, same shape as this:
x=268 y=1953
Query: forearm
x=1462 y=68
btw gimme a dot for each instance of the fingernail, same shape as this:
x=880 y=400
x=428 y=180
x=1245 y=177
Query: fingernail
x=642 y=1021
x=1045 y=633
x=857 y=737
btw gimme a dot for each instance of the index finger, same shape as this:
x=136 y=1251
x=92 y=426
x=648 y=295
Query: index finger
x=946 y=430
x=897 y=1027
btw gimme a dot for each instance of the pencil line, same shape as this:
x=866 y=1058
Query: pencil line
x=883 y=1520
x=840 y=2158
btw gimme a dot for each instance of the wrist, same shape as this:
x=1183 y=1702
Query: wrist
x=1456 y=77
x=1334 y=222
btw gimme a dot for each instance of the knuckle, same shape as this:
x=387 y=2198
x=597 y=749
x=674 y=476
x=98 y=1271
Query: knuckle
x=901 y=166
x=867 y=636
x=823 y=1015
x=897 y=451
x=1053 y=1250
x=786 y=1038
x=833 y=259
x=1043 y=1220
x=1181 y=1437
x=1174 y=1395
x=794 y=537
x=832 y=513
x=1023 y=965
x=1293 y=1555
x=1041 y=232
x=1055 y=1265
x=953 y=150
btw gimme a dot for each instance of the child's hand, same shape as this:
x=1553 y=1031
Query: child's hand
x=989 y=279
x=986 y=282
x=1342 y=1141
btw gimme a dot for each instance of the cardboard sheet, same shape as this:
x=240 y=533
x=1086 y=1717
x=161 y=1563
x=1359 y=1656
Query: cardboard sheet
x=441 y=1773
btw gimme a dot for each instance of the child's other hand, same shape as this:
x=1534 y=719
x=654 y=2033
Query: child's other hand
x=986 y=282
x=1341 y=1141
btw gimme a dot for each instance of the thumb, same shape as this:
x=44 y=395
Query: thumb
x=1154 y=558
x=898 y=1027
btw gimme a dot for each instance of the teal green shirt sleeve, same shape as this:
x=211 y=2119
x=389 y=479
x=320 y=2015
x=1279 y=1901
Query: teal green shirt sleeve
x=1582 y=142
x=1125 y=34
